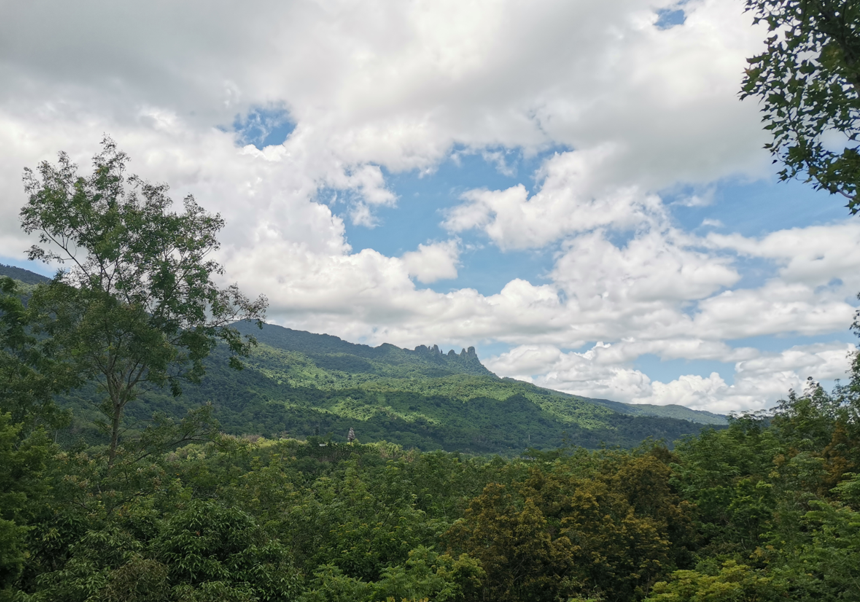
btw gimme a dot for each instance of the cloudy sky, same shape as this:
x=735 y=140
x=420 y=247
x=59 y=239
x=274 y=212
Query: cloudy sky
x=571 y=186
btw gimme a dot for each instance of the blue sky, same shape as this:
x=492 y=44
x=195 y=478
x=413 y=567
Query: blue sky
x=573 y=188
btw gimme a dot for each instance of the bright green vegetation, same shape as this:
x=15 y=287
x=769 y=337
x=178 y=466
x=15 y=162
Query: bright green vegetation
x=300 y=384
x=765 y=510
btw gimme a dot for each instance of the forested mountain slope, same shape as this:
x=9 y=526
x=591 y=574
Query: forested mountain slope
x=301 y=384
x=22 y=275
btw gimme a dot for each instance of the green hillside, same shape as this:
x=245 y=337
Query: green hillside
x=667 y=411
x=299 y=384
x=22 y=275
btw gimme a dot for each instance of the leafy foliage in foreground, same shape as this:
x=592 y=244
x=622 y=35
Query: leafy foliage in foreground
x=137 y=304
x=765 y=510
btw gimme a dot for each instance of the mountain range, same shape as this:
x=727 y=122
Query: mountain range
x=300 y=384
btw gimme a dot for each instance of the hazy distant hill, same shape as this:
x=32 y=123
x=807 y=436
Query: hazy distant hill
x=301 y=384
x=25 y=276
x=667 y=411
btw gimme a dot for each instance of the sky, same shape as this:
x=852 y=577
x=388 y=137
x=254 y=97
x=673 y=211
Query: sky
x=573 y=187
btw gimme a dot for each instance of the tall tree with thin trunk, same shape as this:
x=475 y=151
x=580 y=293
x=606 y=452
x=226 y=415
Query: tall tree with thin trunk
x=136 y=303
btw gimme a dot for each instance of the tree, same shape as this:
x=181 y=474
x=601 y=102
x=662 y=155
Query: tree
x=22 y=487
x=30 y=374
x=732 y=582
x=525 y=556
x=808 y=80
x=138 y=305
x=29 y=378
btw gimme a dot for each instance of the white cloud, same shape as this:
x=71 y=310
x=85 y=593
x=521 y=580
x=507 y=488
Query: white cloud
x=432 y=262
x=572 y=199
x=398 y=84
x=499 y=159
x=813 y=255
x=777 y=307
x=702 y=199
x=652 y=267
x=758 y=382
x=598 y=372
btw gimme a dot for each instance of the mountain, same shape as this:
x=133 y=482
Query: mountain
x=301 y=384
x=332 y=353
x=667 y=411
x=22 y=275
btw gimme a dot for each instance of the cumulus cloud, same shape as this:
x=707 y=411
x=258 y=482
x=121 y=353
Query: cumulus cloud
x=377 y=83
x=571 y=199
x=653 y=266
x=776 y=307
x=758 y=382
x=813 y=255
x=434 y=261
x=697 y=200
x=395 y=85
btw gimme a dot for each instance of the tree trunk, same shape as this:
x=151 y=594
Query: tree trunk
x=114 y=431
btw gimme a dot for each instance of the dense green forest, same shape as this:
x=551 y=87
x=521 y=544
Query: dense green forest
x=767 y=509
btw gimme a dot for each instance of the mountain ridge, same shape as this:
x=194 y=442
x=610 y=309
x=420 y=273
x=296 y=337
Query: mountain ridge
x=300 y=384
x=467 y=357
x=302 y=341
x=22 y=275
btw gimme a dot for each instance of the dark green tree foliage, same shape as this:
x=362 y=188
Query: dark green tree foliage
x=764 y=510
x=775 y=499
x=30 y=372
x=608 y=524
x=808 y=80
x=23 y=463
x=207 y=546
x=726 y=475
x=778 y=502
x=137 y=305
x=30 y=375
